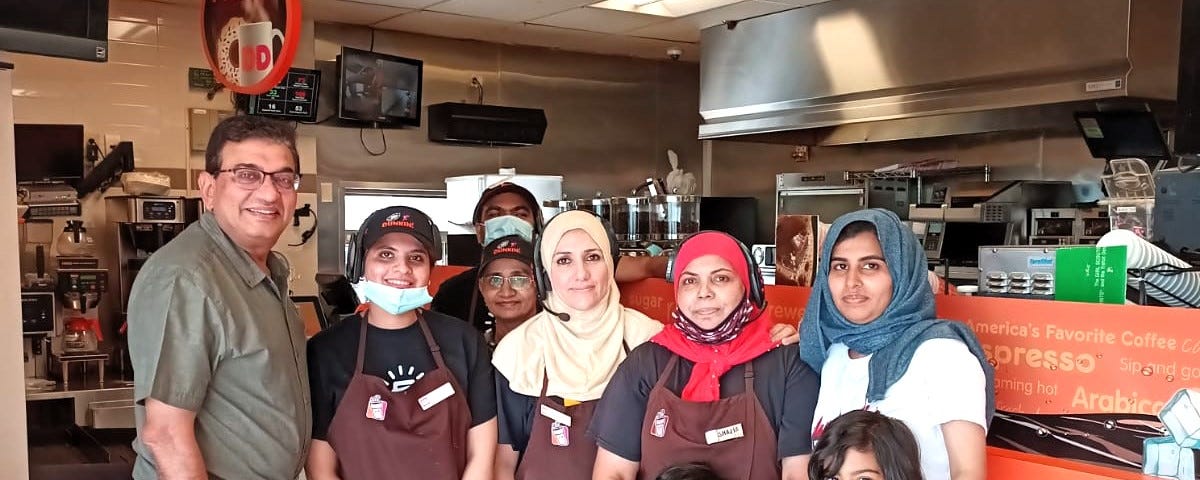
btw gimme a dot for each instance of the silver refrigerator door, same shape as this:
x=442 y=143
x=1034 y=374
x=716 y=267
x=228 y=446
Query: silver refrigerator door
x=826 y=203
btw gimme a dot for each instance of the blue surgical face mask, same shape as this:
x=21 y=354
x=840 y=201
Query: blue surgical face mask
x=391 y=299
x=504 y=226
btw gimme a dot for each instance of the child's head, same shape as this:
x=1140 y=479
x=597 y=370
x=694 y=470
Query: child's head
x=863 y=445
x=688 y=471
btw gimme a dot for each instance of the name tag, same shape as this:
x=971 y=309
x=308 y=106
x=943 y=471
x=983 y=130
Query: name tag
x=556 y=415
x=436 y=396
x=724 y=434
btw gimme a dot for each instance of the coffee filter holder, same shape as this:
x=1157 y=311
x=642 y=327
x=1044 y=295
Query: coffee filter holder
x=1130 y=189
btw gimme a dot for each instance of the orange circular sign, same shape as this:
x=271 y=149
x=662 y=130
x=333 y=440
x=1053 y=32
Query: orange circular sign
x=250 y=44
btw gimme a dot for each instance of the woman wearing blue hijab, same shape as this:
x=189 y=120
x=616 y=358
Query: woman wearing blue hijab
x=870 y=329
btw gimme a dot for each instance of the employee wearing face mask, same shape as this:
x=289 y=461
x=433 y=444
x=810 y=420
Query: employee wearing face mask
x=398 y=391
x=504 y=209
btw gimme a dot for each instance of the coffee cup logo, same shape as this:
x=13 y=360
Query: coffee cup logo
x=255 y=51
x=250 y=44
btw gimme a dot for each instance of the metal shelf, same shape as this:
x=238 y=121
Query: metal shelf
x=984 y=170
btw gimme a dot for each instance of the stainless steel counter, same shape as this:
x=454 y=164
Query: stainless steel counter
x=94 y=406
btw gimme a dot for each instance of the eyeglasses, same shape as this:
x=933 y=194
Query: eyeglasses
x=252 y=178
x=496 y=282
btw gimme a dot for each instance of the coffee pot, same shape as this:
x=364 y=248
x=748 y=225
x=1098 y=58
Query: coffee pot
x=81 y=335
x=75 y=241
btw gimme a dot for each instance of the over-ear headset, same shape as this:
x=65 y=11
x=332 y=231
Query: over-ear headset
x=540 y=274
x=356 y=253
x=755 y=290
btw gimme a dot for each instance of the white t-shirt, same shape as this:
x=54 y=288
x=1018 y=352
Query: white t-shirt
x=944 y=382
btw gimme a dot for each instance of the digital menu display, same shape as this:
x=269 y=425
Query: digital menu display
x=295 y=98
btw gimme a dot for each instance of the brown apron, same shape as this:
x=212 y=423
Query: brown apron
x=380 y=434
x=732 y=435
x=557 y=451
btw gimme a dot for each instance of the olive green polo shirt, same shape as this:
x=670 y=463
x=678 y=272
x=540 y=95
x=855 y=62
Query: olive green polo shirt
x=210 y=332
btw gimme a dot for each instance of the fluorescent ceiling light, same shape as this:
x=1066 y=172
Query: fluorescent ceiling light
x=663 y=8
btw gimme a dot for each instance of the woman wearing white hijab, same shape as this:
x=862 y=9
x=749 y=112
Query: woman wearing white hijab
x=554 y=367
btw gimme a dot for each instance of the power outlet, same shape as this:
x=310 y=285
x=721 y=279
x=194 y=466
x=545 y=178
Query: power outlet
x=111 y=140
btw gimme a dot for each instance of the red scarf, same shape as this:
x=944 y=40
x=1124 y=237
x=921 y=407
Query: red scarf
x=712 y=361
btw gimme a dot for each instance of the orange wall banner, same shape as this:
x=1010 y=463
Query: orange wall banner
x=1064 y=357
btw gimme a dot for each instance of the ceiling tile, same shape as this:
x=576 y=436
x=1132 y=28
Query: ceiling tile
x=390 y=3
x=355 y=13
x=598 y=43
x=508 y=10
x=447 y=25
x=799 y=3
x=554 y=37
x=599 y=20
x=687 y=29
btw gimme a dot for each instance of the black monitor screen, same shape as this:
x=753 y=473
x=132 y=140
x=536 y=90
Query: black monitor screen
x=295 y=98
x=49 y=152
x=1122 y=134
x=961 y=241
x=379 y=88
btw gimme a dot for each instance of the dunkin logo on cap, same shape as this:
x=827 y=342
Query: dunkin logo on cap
x=506 y=246
x=397 y=220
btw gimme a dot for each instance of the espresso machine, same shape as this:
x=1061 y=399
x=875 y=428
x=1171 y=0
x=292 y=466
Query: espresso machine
x=143 y=224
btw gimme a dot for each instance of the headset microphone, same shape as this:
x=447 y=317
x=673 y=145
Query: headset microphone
x=561 y=315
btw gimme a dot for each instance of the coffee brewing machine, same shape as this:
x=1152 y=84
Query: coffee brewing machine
x=59 y=312
x=143 y=224
x=81 y=285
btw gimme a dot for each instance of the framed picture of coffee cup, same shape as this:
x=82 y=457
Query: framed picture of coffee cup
x=250 y=44
x=312 y=313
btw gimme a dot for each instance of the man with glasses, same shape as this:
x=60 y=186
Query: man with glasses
x=220 y=378
x=506 y=285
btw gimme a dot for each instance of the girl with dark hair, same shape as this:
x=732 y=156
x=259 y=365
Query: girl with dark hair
x=871 y=329
x=865 y=445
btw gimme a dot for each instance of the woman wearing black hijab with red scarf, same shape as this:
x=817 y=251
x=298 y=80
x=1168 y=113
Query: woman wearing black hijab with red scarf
x=712 y=386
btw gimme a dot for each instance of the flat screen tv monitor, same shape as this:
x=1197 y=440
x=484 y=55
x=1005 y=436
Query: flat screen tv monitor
x=49 y=153
x=380 y=89
x=295 y=98
x=76 y=29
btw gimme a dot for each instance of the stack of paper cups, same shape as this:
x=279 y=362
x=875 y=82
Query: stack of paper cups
x=1142 y=254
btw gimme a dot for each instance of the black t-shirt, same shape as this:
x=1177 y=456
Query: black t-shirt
x=786 y=388
x=399 y=356
x=514 y=415
x=454 y=298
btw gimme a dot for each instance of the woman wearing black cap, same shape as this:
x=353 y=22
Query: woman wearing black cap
x=406 y=390
x=506 y=284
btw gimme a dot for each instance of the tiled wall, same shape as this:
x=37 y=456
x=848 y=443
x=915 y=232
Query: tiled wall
x=140 y=94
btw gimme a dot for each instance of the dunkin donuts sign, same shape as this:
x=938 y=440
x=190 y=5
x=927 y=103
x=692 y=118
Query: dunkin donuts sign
x=250 y=44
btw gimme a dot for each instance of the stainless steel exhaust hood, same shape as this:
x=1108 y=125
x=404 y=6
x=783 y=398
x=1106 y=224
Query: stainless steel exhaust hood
x=854 y=71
